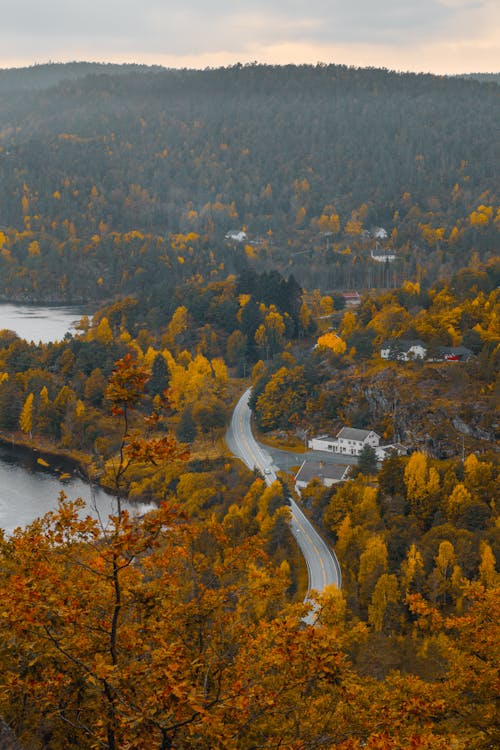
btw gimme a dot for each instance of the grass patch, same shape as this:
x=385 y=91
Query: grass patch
x=283 y=441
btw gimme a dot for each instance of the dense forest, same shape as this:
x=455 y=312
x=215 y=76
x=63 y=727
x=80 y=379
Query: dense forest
x=182 y=629
x=115 y=182
x=214 y=218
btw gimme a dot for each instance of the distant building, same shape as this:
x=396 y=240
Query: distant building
x=384 y=451
x=349 y=441
x=236 y=235
x=351 y=298
x=328 y=474
x=323 y=443
x=383 y=256
x=403 y=349
x=454 y=353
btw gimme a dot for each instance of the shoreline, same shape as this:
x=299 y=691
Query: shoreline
x=57 y=459
x=58 y=462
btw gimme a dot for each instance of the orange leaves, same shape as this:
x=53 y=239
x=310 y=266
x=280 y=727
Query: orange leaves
x=127 y=383
x=154 y=450
x=198 y=656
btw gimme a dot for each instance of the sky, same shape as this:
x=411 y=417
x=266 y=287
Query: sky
x=438 y=36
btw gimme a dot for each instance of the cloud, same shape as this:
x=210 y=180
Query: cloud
x=196 y=30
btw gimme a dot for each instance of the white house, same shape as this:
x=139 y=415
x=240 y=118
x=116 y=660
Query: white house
x=352 y=441
x=384 y=451
x=236 y=235
x=349 y=441
x=383 y=256
x=323 y=443
x=403 y=349
x=328 y=474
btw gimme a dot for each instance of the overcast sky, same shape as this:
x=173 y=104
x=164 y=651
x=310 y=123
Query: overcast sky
x=441 y=36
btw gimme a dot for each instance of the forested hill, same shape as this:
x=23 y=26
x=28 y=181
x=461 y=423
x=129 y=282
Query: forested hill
x=45 y=75
x=305 y=158
x=485 y=77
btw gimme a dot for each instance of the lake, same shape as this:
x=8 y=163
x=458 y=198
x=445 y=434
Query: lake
x=27 y=490
x=40 y=323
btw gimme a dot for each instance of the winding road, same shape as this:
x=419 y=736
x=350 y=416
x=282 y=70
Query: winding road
x=322 y=564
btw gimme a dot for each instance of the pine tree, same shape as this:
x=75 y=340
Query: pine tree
x=159 y=376
x=367 y=462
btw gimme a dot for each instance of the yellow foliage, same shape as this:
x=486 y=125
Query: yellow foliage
x=487 y=568
x=103 y=332
x=353 y=227
x=193 y=380
x=251 y=252
x=392 y=320
x=258 y=370
x=348 y=325
x=34 y=248
x=459 y=498
x=333 y=342
x=300 y=216
x=195 y=490
x=150 y=356
x=411 y=288
x=26 y=418
x=326 y=305
x=481 y=216
x=430 y=234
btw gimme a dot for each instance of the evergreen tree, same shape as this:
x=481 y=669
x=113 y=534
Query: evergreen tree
x=367 y=462
x=186 y=429
x=159 y=376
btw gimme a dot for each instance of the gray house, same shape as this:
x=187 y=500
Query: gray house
x=328 y=474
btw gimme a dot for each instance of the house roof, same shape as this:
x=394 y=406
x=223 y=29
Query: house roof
x=352 y=433
x=319 y=470
x=402 y=345
x=386 y=450
x=460 y=351
x=351 y=295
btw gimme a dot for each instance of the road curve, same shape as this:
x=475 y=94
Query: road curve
x=322 y=564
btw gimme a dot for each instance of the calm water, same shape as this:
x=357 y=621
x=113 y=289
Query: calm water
x=27 y=490
x=35 y=323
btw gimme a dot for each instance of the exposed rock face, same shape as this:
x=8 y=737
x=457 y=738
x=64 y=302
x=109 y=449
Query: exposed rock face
x=460 y=426
x=429 y=408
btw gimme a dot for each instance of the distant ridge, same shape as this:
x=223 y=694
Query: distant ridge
x=484 y=77
x=314 y=164
x=42 y=76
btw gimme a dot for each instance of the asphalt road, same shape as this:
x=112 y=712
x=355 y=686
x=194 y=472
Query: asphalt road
x=322 y=564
